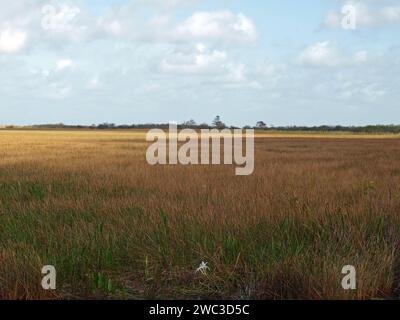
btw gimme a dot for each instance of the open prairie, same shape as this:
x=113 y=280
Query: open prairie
x=88 y=203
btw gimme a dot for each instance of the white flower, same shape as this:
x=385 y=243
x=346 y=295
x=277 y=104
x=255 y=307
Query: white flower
x=203 y=268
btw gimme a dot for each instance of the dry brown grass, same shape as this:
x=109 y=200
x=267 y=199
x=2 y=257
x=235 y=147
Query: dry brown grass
x=88 y=203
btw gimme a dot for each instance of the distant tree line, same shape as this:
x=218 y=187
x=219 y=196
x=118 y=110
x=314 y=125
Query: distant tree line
x=354 y=129
x=219 y=124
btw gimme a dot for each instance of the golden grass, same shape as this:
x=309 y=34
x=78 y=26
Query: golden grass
x=113 y=226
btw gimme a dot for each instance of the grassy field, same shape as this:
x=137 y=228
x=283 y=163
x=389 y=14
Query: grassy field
x=88 y=203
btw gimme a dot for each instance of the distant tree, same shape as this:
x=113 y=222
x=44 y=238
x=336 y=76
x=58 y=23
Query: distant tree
x=190 y=124
x=106 y=125
x=204 y=125
x=217 y=123
x=261 y=125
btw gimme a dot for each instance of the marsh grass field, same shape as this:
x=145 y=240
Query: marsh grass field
x=88 y=203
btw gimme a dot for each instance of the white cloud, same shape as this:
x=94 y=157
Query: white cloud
x=325 y=54
x=12 y=40
x=372 y=92
x=93 y=82
x=113 y=27
x=222 y=26
x=202 y=61
x=165 y=4
x=237 y=73
x=391 y=14
x=63 y=64
x=58 y=90
x=320 y=54
x=59 y=19
x=361 y=56
x=199 y=61
x=66 y=22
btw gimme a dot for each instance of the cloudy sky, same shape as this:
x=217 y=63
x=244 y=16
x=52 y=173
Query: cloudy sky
x=284 y=62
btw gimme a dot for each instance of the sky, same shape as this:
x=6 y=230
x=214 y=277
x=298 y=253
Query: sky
x=284 y=62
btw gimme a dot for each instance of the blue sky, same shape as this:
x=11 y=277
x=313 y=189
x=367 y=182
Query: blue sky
x=133 y=61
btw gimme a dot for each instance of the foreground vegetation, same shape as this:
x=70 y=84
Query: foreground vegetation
x=114 y=227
